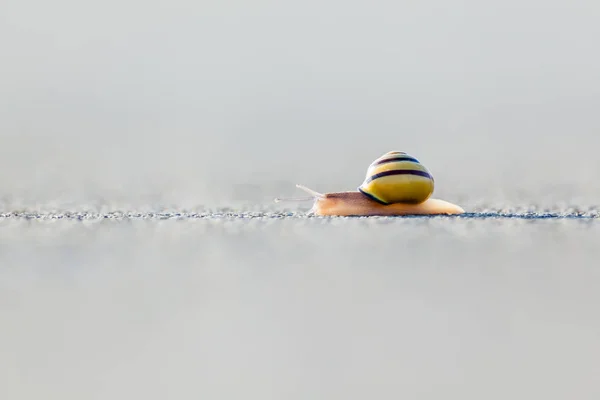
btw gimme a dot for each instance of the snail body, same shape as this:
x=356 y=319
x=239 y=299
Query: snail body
x=396 y=184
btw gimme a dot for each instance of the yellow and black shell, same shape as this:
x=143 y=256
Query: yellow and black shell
x=397 y=177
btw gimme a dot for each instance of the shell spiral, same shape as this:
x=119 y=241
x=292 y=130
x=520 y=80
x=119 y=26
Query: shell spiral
x=397 y=177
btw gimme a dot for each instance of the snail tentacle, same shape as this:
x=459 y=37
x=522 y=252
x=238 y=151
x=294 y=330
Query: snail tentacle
x=280 y=199
x=314 y=195
x=311 y=192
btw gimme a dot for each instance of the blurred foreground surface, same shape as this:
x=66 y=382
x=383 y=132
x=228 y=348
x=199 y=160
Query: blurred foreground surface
x=420 y=308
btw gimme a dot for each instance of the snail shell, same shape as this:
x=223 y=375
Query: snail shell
x=397 y=177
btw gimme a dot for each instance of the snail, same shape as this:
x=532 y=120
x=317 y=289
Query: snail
x=395 y=184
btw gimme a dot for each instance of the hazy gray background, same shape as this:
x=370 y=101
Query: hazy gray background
x=130 y=102
x=131 y=105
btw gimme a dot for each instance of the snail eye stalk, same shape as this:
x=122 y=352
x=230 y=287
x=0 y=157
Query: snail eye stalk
x=313 y=195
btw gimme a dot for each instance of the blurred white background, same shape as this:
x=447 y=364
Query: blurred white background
x=127 y=103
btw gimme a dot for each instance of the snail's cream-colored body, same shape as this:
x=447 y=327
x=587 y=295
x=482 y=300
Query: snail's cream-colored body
x=357 y=204
x=347 y=204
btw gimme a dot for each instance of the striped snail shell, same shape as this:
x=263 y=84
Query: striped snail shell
x=397 y=177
